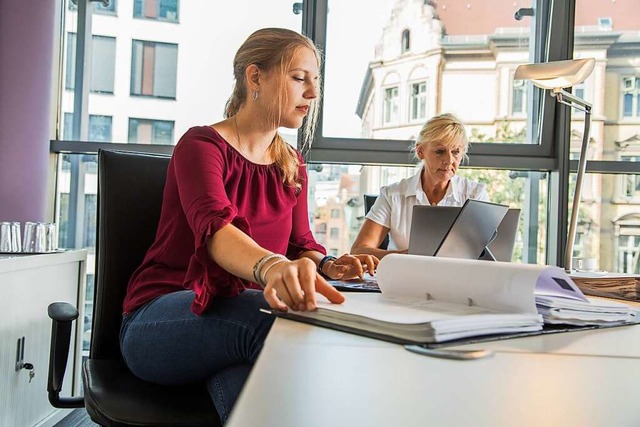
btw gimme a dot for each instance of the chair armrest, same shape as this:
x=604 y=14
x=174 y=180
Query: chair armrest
x=63 y=314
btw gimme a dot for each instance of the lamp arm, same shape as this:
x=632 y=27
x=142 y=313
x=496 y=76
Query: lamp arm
x=571 y=100
x=577 y=194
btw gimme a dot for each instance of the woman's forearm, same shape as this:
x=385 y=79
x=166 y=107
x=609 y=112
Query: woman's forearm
x=236 y=252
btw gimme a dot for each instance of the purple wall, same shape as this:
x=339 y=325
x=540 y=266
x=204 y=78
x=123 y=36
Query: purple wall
x=26 y=55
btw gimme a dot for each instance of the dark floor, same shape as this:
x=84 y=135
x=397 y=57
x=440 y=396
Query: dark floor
x=77 y=418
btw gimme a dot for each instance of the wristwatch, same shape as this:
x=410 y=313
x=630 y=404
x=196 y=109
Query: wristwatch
x=323 y=262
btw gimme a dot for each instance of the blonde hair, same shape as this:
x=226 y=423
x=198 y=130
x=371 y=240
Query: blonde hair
x=274 y=49
x=445 y=129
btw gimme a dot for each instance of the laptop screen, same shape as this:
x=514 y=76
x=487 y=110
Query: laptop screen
x=502 y=246
x=455 y=232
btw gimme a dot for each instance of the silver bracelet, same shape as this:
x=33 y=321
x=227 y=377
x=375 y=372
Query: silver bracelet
x=263 y=275
x=257 y=268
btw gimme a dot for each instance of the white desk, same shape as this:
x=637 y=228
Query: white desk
x=311 y=376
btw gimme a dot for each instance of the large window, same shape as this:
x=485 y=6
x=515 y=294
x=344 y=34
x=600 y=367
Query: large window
x=372 y=111
x=153 y=69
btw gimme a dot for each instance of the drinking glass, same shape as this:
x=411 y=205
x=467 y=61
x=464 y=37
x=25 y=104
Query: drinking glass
x=29 y=240
x=40 y=238
x=52 y=237
x=5 y=237
x=16 y=241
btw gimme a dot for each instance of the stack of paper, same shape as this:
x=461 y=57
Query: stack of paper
x=581 y=313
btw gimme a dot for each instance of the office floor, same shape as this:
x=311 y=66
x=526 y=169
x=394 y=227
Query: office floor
x=77 y=418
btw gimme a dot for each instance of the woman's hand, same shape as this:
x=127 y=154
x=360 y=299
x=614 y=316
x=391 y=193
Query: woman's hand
x=351 y=266
x=293 y=284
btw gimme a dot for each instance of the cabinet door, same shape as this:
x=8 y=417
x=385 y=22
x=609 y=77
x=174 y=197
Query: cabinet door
x=24 y=297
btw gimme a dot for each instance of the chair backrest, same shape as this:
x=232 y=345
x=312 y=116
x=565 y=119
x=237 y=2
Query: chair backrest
x=369 y=200
x=130 y=187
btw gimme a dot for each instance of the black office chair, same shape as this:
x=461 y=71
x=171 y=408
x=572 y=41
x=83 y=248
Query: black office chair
x=369 y=200
x=130 y=187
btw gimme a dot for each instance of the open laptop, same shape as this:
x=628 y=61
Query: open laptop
x=430 y=225
x=455 y=232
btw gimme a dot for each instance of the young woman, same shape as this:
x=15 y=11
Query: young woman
x=234 y=234
x=441 y=146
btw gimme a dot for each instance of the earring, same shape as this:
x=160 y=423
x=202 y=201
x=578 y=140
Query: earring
x=255 y=95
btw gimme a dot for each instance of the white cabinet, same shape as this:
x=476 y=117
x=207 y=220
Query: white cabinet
x=28 y=284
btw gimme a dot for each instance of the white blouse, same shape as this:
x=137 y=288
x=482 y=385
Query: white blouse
x=394 y=206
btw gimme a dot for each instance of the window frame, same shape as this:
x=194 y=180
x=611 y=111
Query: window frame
x=554 y=40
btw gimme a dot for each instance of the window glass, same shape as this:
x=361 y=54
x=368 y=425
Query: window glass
x=169 y=70
x=628 y=186
x=143 y=131
x=609 y=215
x=99 y=127
x=467 y=51
x=153 y=69
x=418 y=101
x=102 y=63
x=519 y=95
x=390 y=108
x=631 y=97
x=99 y=7
x=165 y=10
x=609 y=227
x=406 y=41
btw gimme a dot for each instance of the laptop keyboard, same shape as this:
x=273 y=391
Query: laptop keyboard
x=369 y=284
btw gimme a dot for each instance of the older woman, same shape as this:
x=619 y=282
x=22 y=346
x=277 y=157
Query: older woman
x=441 y=146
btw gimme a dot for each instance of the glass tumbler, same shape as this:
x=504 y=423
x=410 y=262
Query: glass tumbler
x=29 y=240
x=16 y=241
x=5 y=237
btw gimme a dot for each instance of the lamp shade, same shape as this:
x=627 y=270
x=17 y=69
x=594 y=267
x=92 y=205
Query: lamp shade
x=556 y=74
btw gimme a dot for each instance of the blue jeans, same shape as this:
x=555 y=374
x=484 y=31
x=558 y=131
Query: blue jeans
x=163 y=342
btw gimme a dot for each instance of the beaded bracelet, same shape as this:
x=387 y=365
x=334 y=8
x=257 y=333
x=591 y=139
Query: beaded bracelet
x=323 y=262
x=257 y=268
